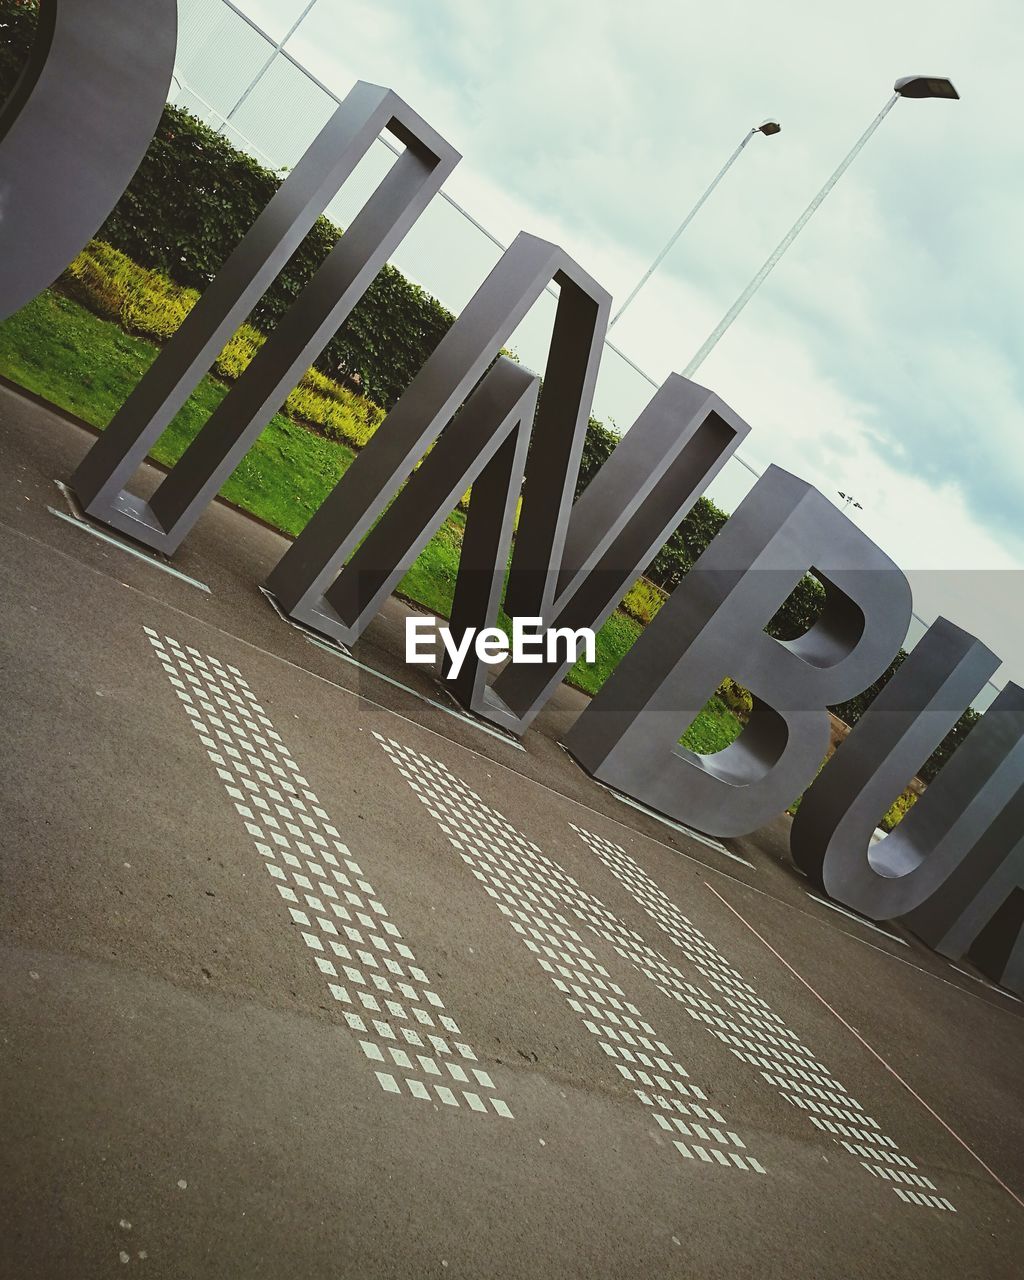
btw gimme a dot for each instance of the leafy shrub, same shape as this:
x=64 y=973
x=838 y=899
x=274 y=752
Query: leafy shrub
x=142 y=302
x=238 y=353
x=643 y=600
x=898 y=810
x=689 y=541
x=799 y=611
x=148 y=304
x=339 y=412
x=736 y=698
x=219 y=193
x=598 y=444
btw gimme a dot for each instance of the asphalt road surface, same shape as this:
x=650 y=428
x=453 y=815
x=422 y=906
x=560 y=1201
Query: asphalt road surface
x=305 y=975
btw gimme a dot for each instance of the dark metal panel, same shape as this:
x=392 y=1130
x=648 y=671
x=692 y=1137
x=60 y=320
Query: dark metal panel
x=713 y=626
x=306 y=328
x=958 y=854
x=988 y=923
x=482 y=562
x=74 y=130
x=579 y=330
x=675 y=448
x=307 y=570
x=838 y=815
x=471 y=451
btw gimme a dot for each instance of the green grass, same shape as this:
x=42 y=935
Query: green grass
x=431 y=580
x=714 y=728
x=87 y=366
x=151 y=306
x=58 y=350
x=614 y=641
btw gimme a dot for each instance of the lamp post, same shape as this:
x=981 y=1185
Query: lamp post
x=267 y=65
x=906 y=87
x=768 y=128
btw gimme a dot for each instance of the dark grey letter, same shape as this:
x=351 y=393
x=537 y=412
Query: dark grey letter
x=74 y=129
x=713 y=626
x=303 y=332
x=956 y=860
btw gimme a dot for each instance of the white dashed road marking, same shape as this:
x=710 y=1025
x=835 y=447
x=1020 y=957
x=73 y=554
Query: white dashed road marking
x=413 y=1045
x=756 y=1035
x=539 y=900
x=386 y=999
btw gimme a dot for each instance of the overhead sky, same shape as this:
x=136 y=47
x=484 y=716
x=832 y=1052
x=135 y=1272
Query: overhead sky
x=883 y=357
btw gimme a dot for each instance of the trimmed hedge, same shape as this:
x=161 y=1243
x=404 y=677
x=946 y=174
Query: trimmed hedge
x=219 y=193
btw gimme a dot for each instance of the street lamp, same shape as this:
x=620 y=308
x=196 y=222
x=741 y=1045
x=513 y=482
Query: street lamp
x=769 y=128
x=906 y=87
x=924 y=87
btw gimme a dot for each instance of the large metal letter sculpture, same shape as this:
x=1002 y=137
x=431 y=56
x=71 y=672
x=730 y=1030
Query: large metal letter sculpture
x=74 y=129
x=980 y=909
x=677 y=445
x=304 y=579
x=713 y=626
x=484 y=447
x=309 y=324
x=584 y=563
x=958 y=856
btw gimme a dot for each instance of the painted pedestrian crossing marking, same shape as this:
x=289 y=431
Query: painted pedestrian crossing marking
x=552 y=915
x=413 y=1045
x=401 y=1024
x=756 y=1035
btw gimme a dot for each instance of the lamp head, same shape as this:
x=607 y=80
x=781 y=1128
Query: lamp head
x=769 y=127
x=924 y=87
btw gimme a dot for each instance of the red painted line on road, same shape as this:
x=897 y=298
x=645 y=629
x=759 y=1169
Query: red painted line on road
x=853 y=1031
